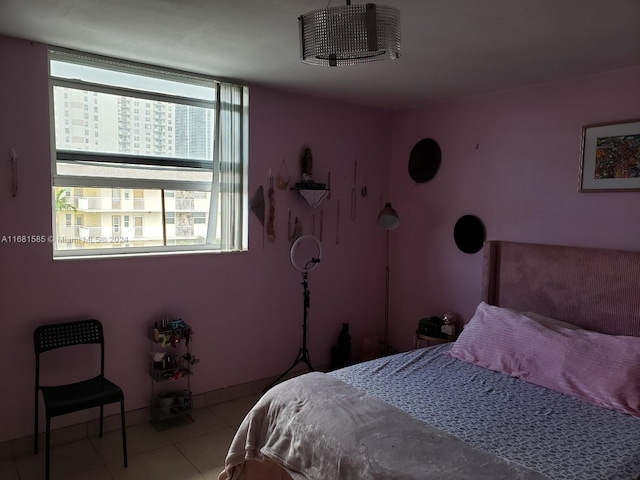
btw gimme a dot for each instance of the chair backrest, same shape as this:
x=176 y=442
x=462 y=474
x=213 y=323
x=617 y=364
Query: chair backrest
x=59 y=335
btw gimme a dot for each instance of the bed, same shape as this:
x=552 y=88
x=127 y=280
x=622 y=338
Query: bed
x=543 y=383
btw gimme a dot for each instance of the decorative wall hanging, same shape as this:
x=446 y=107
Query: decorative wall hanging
x=424 y=160
x=353 y=190
x=469 y=234
x=283 y=178
x=610 y=157
x=271 y=234
x=293 y=231
x=14 y=173
x=338 y=222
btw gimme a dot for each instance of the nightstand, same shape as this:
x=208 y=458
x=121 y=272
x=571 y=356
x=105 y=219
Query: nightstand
x=431 y=341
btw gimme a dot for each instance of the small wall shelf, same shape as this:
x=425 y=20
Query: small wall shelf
x=313 y=193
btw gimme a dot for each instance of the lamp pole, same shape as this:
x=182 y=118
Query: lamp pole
x=386 y=302
x=388 y=219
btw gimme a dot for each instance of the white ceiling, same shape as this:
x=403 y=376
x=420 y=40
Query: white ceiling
x=450 y=48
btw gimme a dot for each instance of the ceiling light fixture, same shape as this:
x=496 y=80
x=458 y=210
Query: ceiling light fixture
x=349 y=34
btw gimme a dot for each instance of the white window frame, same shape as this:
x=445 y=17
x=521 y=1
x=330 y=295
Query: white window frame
x=161 y=185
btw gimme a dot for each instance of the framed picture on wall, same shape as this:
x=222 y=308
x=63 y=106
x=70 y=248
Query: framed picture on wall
x=610 y=157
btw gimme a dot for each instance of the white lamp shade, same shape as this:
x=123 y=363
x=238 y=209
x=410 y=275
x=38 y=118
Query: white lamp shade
x=388 y=218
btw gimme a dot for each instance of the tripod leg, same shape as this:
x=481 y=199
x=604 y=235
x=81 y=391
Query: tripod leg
x=303 y=356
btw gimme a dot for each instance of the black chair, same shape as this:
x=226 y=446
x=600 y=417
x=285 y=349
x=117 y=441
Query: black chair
x=63 y=399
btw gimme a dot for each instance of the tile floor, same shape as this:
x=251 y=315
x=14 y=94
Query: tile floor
x=194 y=451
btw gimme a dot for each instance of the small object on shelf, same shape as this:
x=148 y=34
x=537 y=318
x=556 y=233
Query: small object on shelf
x=448 y=318
x=448 y=323
x=306 y=164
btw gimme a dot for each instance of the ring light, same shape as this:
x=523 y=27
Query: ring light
x=314 y=258
x=313 y=252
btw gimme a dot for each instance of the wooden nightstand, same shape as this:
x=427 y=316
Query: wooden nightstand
x=431 y=341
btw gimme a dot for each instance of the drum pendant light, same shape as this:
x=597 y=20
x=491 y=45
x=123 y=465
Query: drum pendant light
x=349 y=34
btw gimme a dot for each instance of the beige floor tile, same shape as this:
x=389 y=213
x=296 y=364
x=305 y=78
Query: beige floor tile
x=234 y=411
x=213 y=473
x=101 y=473
x=140 y=439
x=8 y=470
x=207 y=451
x=165 y=463
x=6 y=450
x=204 y=421
x=66 y=460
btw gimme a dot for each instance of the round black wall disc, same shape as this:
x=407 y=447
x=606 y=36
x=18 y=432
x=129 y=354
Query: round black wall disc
x=469 y=234
x=424 y=160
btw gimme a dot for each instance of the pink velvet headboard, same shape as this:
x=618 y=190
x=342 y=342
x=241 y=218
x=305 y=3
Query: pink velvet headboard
x=593 y=288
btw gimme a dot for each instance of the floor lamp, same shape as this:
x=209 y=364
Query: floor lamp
x=388 y=219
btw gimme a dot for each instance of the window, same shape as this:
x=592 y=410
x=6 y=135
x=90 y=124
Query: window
x=189 y=186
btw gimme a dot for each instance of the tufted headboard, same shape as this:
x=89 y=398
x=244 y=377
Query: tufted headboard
x=593 y=288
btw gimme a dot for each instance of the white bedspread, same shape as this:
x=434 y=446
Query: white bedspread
x=319 y=428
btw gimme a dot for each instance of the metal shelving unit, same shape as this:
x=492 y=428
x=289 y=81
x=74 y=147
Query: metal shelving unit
x=170 y=372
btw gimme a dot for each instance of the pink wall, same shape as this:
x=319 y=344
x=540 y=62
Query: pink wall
x=246 y=308
x=512 y=159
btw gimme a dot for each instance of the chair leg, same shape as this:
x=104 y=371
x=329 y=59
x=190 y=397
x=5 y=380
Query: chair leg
x=48 y=449
x=35 y=426
x=124 y=435
x=101 y=417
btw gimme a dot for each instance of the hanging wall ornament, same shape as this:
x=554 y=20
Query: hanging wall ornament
x=271 y=234
x=469 y=234
x=353 y=190
x=283 y=178
x=424 y=160
x=14 y=173
x=297 y=228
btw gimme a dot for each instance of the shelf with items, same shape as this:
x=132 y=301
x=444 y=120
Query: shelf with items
x=313 y=193
x=171 y=367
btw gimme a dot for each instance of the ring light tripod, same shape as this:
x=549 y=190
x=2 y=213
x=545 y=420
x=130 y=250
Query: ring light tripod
x=303 y=353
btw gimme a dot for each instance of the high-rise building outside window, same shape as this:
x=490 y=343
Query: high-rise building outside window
x=190 y=183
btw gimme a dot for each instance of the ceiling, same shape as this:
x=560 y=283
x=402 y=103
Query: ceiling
x=450 y=48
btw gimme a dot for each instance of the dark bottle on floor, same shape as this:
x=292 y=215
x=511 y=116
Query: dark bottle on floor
x=341 y=353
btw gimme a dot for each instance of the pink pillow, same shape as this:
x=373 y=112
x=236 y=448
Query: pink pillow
x=601 y=369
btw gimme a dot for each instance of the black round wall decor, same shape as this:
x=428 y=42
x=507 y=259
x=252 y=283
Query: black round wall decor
x=424 y=160
x=469 y=234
